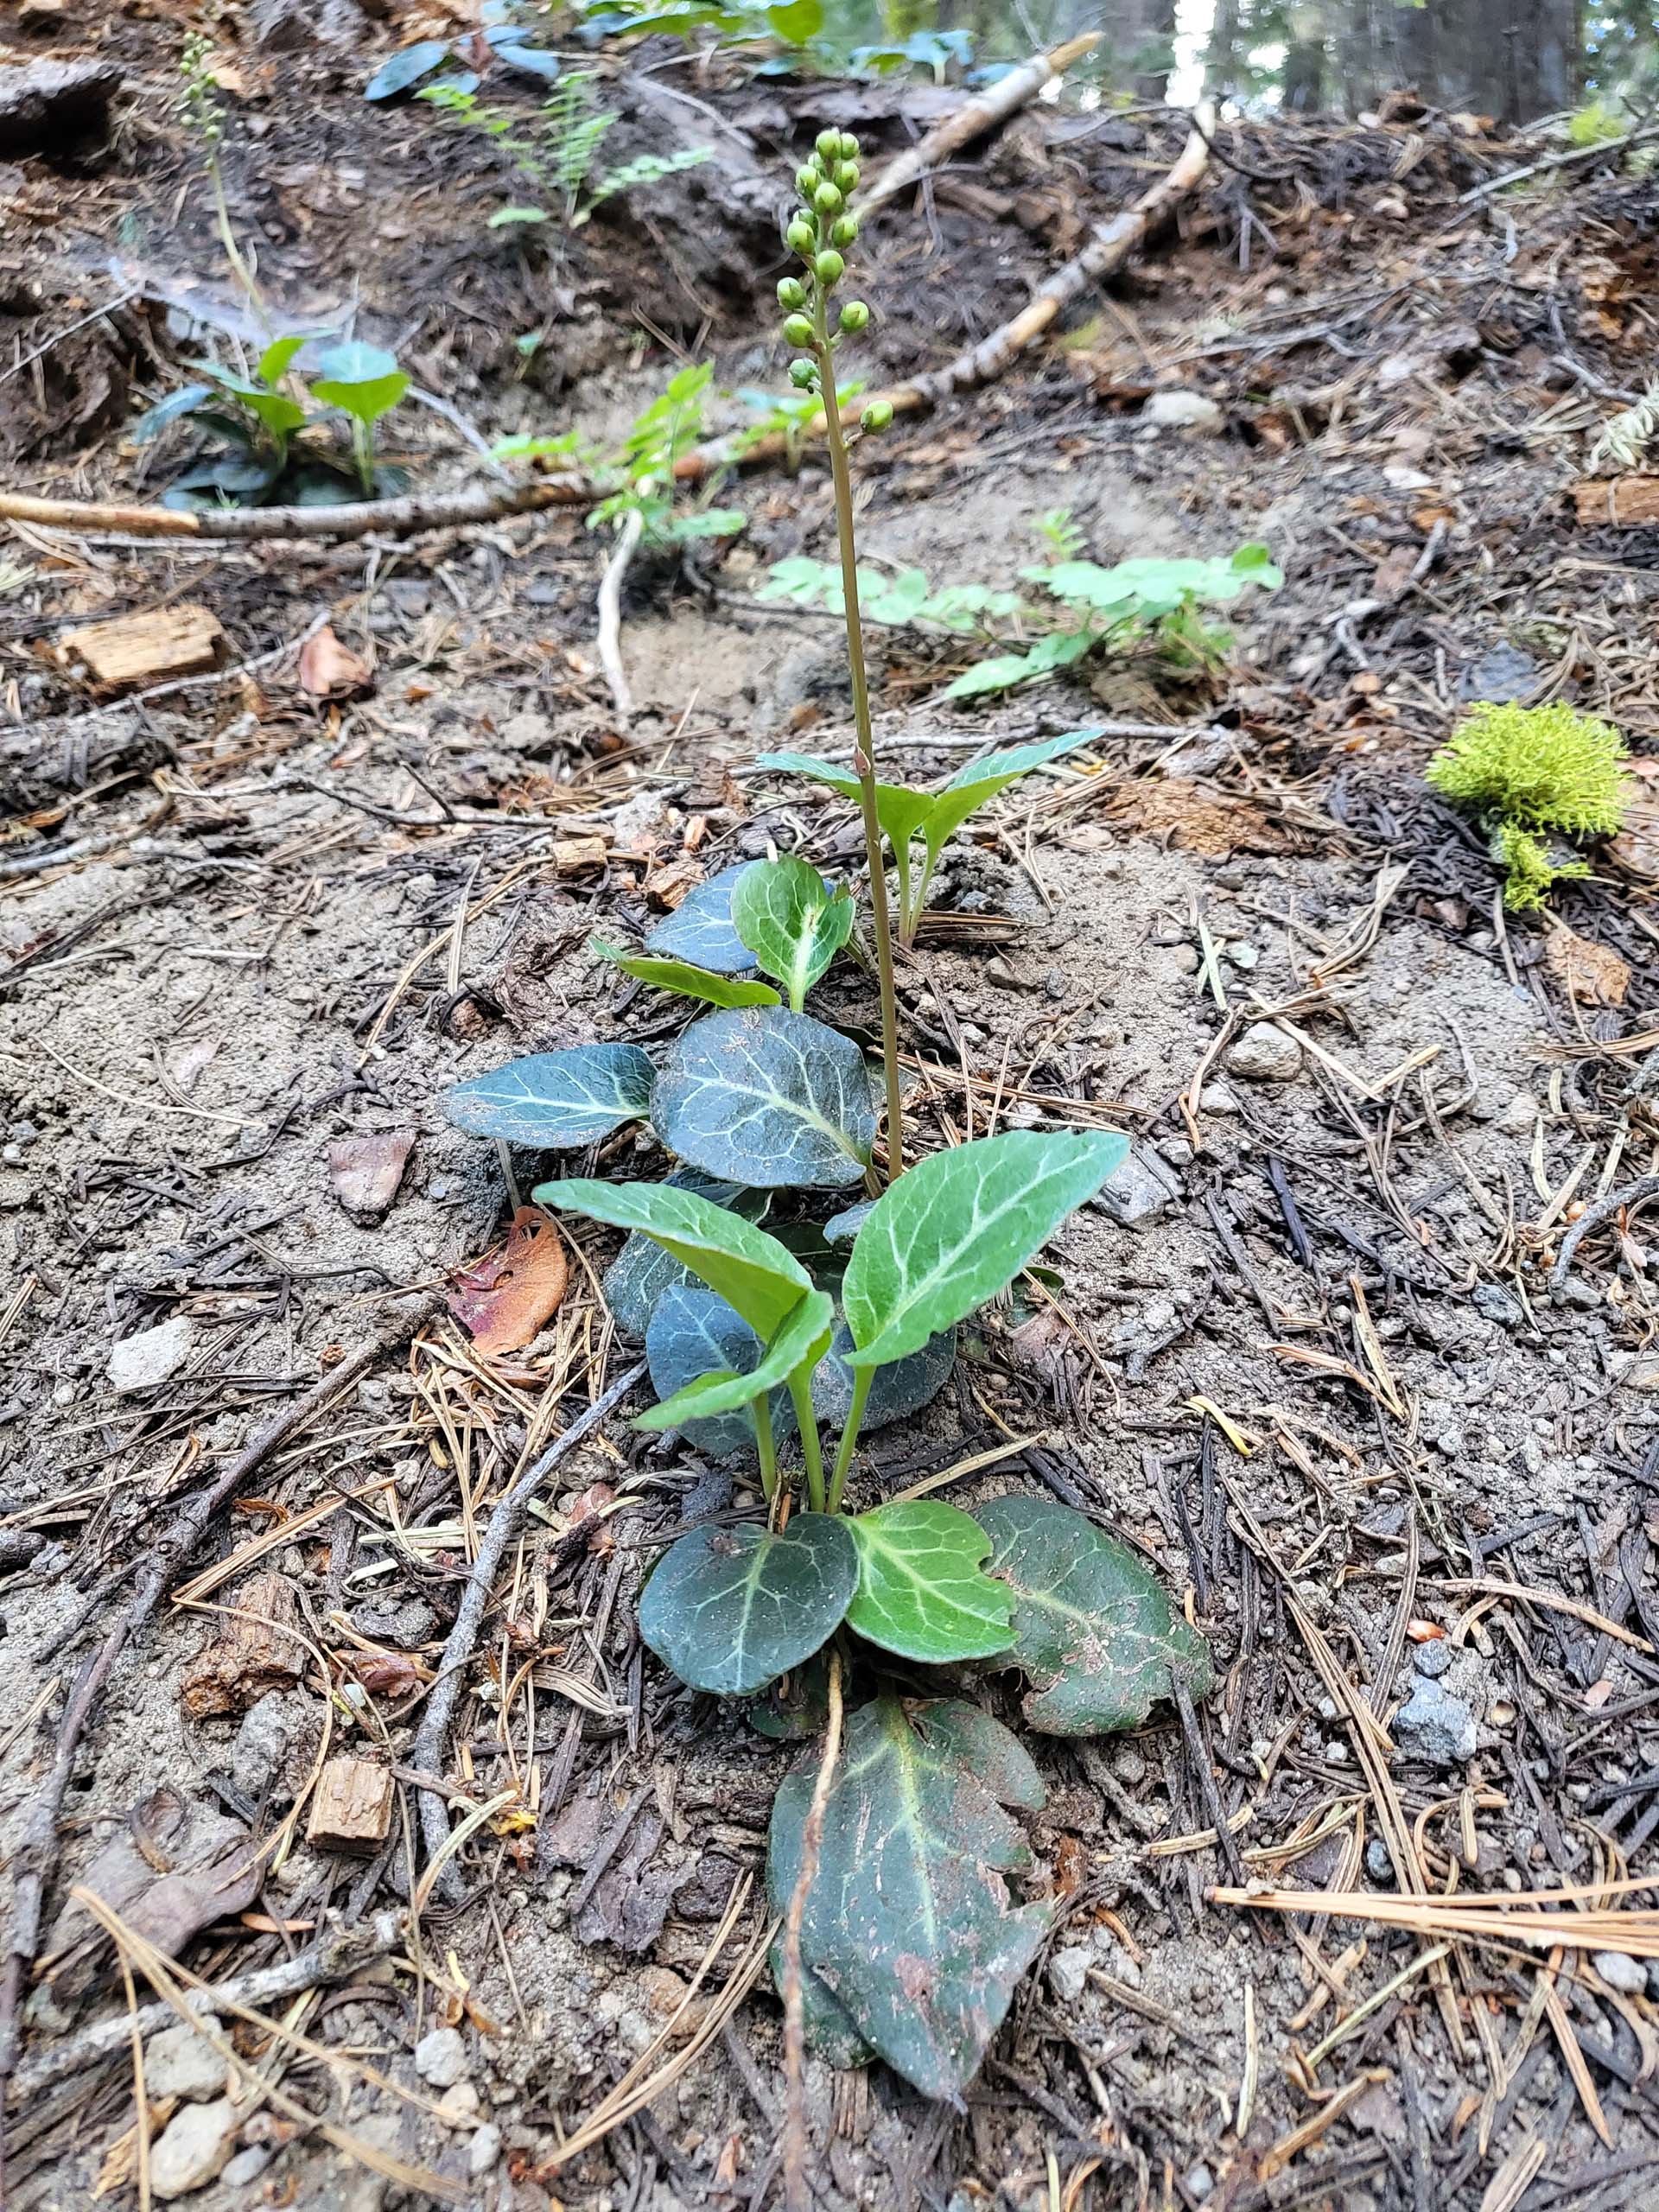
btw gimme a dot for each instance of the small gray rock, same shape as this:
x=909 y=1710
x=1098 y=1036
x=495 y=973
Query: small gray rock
x=1068 y=1973
x=178 y=2063
x=1499 y=1304
x=277 y=1730
x=1435 y=1726
x=1621 y=1972
x=247 y=2165
x=192 y=2147
x=1265 y=1055
x=153 y=1357
x=483 y=2150
x=440 y=2058
x=1431 y=1660
x=1138 y=1191
x=1502 y=673
x=1183 y=410
x=1378 y=1865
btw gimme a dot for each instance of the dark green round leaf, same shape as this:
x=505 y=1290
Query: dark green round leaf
x=1093 y=1630
x=950 y=1231
x=795 y=1347
x=692 y=1333
x=767 y=1097
x=558 y=1100
x=841 y=1228
x=895 y=1392
x=729 y=1609
x=700 y=929
x=922 y=1591
x=405 y=69
x=150 y=424
x=907 y=1923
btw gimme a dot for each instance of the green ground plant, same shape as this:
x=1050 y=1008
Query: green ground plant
x=1536 y=775
x=791 y=1295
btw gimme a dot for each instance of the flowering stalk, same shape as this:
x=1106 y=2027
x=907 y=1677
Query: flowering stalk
x=820 y=228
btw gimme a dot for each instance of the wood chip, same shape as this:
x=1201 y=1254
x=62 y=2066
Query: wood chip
x=249 y=1651
x=352 y=1809
x=366 y=1172
x=1626 y=502
x=183 y=641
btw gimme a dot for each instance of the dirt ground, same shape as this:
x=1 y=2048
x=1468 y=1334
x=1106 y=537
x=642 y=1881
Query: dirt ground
x=1316 y=1362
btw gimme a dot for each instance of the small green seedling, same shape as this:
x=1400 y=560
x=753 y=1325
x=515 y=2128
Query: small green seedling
x=641 y=478
x=365 y=382
x=785 y=1293
x=1533 y=772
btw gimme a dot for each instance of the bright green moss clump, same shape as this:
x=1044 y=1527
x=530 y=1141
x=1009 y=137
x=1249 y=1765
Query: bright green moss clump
x=1531 y=770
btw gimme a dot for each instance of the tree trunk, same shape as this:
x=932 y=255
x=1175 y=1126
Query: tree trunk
x=1514 y=59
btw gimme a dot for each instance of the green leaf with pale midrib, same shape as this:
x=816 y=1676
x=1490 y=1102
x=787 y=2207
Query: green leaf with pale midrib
x=950 y=1232
x=729 y=1609
x=922 y=1590
x=1093 y=1630
x=802 y=1336
x=767 y=1097
x=559 y=1099
x=751 y=1270
x=792 y=922
x=690 y=981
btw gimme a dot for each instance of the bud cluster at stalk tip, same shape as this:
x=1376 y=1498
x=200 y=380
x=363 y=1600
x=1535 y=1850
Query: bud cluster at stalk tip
x=820 y=227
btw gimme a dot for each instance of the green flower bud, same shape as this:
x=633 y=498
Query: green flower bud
x=846 y=176
x=829 y=268
x=808 y=180
x=828 y=144
x=855 y=315
x=827 y=199
x=803 y=237
x=843 y=230
x=798 y=330
x=792 y=293
x=877 y=415
x=848 y=148
x=804 y=375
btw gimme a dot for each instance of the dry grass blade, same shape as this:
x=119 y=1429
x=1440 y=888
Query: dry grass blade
x=1510 y=1919
x=1485 y=1585
x=1280 y=2154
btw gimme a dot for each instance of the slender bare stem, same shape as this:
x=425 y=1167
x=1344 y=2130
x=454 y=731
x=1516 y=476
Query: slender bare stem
x=864 y=757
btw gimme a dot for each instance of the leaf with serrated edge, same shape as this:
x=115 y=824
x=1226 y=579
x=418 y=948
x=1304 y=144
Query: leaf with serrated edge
x=729 y=1609
x=700 y=930
x=950 y=1232
x=907 y=1923
x=800 y=1337
x=691 y=1334
x=642 y=1271
x=1094 y=1631
x=792 y=922
x=971 y=788
x=748 y=1268
x=690 y=982
x=767 y=1097
x=558 y=1100
x=922 y=1589
x=900 y=808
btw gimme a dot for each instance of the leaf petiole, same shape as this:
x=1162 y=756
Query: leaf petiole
x=766 y=1448
x=800 y=1390
x=862 y=1379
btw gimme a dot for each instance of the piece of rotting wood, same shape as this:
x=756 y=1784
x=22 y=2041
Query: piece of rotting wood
x=352 y=1809
x=169 y=641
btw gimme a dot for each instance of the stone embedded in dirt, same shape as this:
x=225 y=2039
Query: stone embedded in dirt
x=277 y=1736
x=247 y=2165
x=1621 y=1972
x=440 y=2058
x=46 y=102
x=366 y=1172
x=1138 y=1191
x=484 y=2151
x=1218 y=1097
x=153 y=1357
x=1435 y=1726
x=1068 y=1973
x=1183 y=410
x=1502 y=673
x=1499 y=1304
x=1433 y=1658
x=178 y=2063
x=1265 y=1055
x=192 y=2147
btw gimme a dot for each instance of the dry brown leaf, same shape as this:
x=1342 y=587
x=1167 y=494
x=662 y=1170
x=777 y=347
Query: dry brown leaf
x=510 y=1295
x=329 y=670
x=1592 y=974
x=387 y=1674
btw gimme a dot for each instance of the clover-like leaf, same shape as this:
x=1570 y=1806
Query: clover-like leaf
x=690 y=982
x=895 y=1392
x=700 y=929
x=907 y=1923
x=766 y=1097
x=1093 y=1630
x=556 y=1100
x=642 y=1271
x=922 y=1588
x=950 y=1232
x=729 y=1609
x=690 y=1333
x=792 y=921
x=798 y=1339
x=971 y=788
x=900 y=808
x=749 y=1269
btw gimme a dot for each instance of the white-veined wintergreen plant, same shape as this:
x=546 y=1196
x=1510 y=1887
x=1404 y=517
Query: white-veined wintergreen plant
x=790 y=1302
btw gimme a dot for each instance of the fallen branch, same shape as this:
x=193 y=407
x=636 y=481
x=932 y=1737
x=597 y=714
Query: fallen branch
x=1570 y=160
x=610 y=615
x=37 y=1851
x=995 y=105
x=427 y=1753
x=1113 y=244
